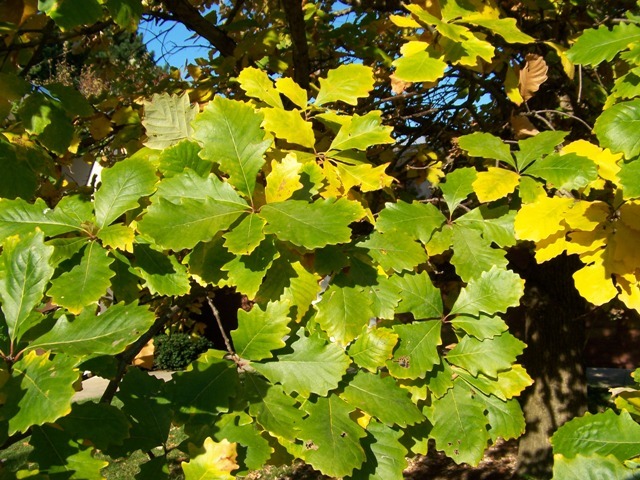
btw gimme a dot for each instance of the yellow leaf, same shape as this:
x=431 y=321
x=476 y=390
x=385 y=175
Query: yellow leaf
x=292 y=91
x=629 y=290
x=100 y=127
x=583 y=215
x=541 y=218
x=567 y=65
x=623 y=247
x=214 y=461
x=606 y=161
x=630 y=214
x=532 y=75
x=511 y=85
x=551 y=247
x=333 y=184
x=289 y=125
x=117 y=236
x=404 y=22
x=365 y=176
x=283 y=180
x=495 y=183
x=585 y=242
x=144 y=358
x=593 y=283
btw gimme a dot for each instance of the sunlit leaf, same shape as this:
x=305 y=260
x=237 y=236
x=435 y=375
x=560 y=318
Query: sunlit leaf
x=346 y=83
x=258 y=85
x=168 y=119
x=214 y=461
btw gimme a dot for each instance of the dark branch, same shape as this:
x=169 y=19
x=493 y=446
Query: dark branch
x=183 y=12
x=295 y=19
x=378 y=5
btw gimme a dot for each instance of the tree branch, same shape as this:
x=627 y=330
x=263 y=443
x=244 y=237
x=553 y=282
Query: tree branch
x=295 y=19
x=190 y=17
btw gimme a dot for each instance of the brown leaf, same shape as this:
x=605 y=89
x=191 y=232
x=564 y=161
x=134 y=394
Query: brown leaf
x=398 y=86
x=522 y=127
x=532 y=75
x=144 y=358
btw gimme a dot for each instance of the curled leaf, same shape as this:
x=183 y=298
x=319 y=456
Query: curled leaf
x=532 y=75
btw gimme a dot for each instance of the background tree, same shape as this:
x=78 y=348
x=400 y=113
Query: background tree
x=429 y=167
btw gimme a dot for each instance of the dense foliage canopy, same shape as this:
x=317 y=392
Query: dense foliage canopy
x=365 y=174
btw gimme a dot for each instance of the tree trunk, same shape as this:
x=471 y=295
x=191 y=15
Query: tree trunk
x=551 y=323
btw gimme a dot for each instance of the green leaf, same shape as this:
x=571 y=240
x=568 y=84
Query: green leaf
x=190 y=185
x=58 y=455
x=205 y=387
x=496 y=224
x=373 y=347
x=605 y=433
x=568 y=172
x=163 y=274
x=71 y=99
x=342 y=312
x=506 y=419
x=230 y=134
x=206 y=261
x=17 y=177
x=126 y=13
x=84 y=417
x=386 y=456
x=395 y=251
x=440 y=379
x=39 y=391
x=597 y=45
x=93 y=335
x=505 y=27
x=274 y=410
x=481 y=327
x=618 y=128
x=18 y=217
x=182 y=156
x=246 y=236
x=384 y=298
x=71 y=13
x=241 y=429
x=85 y=283
x=312 y=225
x=167 y=120
x=258 y=85
x=417 y=351
x=116 y=237
x=418 y=295
x=361 y=132
x=177 y=226
x=457 y=187
x=591 y=467
x=260 y=331
x=629 y=176
x=485 y=145
x=314 y=366
x=25 y=271
x=493 y=292
x=346 y=83
x=302 y=287
x=381 y=397
x=289 y=125
x=246 y=272
x=488 y=356
x=148 y=410
x=459 y=425
x=419 y=220
x=332 y=438
x=535 y=148
x=419 y=65
x=473 y=255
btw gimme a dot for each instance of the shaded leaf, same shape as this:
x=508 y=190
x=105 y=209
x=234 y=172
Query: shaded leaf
x=486 y=145
x=386 y=456
x=418 y=295
x=488 y=356
x=184 y=155
x=591 y=467
x=167 y=119
x=457 y=186
x=419 y=220
x=274 y=410
x=162 y=274
x=532 y=149
x=395 y=251
x=473 y=255
x=246 y=236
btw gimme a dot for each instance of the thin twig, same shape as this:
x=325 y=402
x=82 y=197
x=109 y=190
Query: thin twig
x=227 y=342
x=566 y=114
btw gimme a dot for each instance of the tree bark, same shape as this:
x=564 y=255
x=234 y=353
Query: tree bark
x=551 y=323
x=295 y=20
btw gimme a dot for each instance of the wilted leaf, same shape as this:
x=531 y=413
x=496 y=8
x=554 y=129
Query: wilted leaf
x=532 y=75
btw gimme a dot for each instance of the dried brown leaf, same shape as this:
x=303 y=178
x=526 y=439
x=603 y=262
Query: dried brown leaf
x=522 y=127
x=532 y=75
